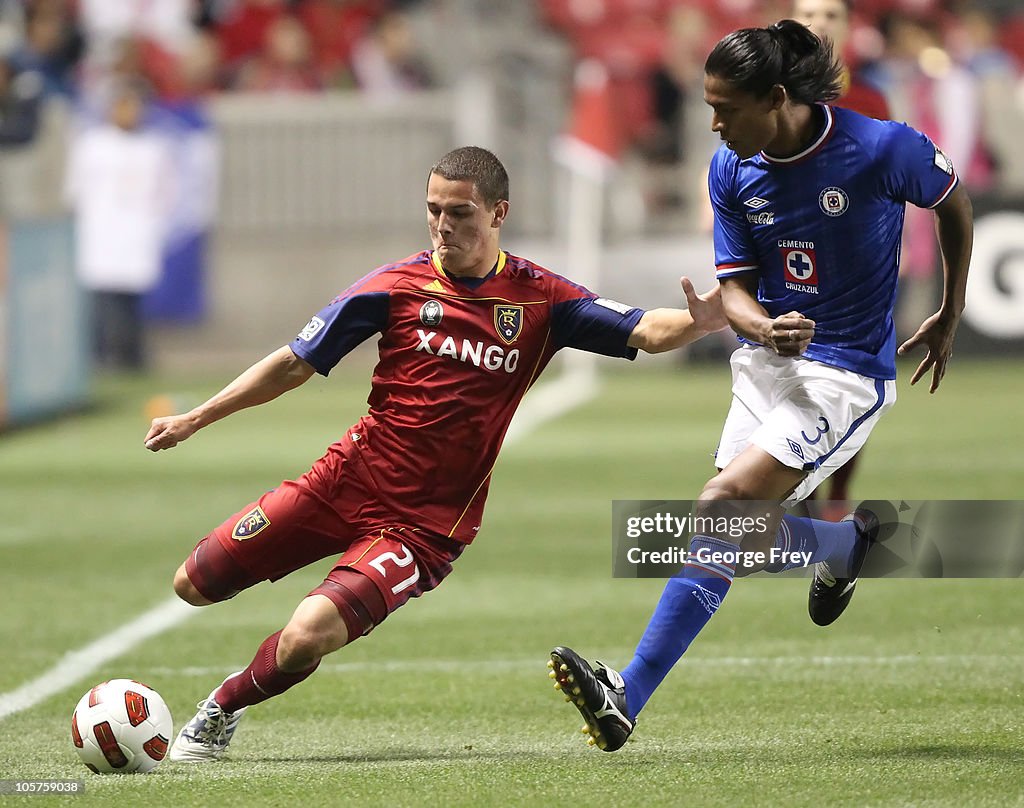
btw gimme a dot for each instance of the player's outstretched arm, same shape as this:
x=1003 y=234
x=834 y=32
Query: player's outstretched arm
x=955 y=227
x=666 y=329
x=273 y=375
x=787 y=335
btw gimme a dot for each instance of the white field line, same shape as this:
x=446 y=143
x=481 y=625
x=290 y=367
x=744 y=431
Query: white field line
x=524 y=664
x=543 y=404
x=79 y=663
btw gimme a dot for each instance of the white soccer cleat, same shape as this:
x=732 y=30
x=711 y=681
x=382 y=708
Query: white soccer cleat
x=207 y=735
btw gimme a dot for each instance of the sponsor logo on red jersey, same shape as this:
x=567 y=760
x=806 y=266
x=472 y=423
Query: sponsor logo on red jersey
x=488 y=357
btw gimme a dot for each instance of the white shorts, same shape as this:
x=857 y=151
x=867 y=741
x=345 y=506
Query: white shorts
x=805 y=414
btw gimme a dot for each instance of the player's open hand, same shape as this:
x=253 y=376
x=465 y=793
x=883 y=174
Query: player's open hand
x=706 y=309
x=937 y=332
x=169 y=431
x=790 y=334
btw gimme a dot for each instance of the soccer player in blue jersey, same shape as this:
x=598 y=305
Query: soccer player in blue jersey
x=809 y=203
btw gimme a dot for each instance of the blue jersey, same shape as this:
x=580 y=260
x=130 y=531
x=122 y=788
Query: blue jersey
x=822 y=229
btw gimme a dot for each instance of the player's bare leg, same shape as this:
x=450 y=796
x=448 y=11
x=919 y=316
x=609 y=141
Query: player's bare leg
x=186 y=590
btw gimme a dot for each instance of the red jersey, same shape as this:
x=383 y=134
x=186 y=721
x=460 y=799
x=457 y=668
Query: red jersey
x=862 y=97
x=456 y=357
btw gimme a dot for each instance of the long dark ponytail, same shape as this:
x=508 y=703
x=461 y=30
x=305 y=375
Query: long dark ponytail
x=756 y=59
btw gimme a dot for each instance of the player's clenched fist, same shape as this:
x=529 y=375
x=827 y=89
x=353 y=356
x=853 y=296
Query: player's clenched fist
x=790 y=334
x=168 y=432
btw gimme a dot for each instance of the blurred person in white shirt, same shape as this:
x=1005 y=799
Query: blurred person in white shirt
x=120 y=186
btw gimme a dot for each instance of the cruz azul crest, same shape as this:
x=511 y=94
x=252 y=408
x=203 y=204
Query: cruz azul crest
x=508 y=320
x=250 y=524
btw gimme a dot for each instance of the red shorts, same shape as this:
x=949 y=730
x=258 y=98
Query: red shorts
x=330 y=511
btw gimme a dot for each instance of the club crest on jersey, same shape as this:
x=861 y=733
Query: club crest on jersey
x=508 y=321
x=800 y=266
x=250 y=524
x=431 y=313
x=833 y=201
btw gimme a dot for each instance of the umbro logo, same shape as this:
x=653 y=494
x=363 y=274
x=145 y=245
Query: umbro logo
x=756 y=203
x=708 y=599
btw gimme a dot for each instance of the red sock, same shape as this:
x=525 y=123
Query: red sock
x=260 y=681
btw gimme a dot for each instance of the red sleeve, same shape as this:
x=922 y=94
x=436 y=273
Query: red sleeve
x=866 y=100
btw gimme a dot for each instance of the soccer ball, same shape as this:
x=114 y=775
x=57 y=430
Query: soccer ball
x=121 y=726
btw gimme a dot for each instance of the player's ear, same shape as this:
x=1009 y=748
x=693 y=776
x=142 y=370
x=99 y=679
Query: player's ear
x=778 y=95
x=500 y=212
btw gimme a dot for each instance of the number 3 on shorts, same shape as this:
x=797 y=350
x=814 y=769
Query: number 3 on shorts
x=401 y=562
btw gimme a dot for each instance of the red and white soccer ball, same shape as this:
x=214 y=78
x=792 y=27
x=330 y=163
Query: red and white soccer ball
x=121 y=726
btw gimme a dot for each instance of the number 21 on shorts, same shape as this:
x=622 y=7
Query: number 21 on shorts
x=401 y=562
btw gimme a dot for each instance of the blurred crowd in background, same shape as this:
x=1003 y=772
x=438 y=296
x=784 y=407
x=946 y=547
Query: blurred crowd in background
x=186 y=49
x=132 y=82
x=81 y=50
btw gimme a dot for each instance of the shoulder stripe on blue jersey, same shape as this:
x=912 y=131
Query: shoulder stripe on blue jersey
x=953 y=181
x=380 y=271
x=726 y=270
x=880 y=400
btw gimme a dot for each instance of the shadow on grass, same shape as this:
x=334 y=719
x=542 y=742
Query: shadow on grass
x=404 y=756
x=973 y=752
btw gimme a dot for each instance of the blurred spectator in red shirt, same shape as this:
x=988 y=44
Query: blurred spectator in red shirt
x=242 y=30
x=830 y=19
x=200 y=67
x=285 y=64
x=335 y=26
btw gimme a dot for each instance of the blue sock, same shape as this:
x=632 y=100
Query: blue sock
x=686 y=605
x=825 y=541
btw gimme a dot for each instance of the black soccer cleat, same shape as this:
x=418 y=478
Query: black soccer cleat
x=830 y=595
x=599 y=694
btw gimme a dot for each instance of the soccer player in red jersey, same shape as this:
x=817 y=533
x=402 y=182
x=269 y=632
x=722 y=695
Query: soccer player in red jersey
x=465 y=329
x=830 y=19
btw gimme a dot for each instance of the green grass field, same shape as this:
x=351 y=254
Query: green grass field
x=916 y=697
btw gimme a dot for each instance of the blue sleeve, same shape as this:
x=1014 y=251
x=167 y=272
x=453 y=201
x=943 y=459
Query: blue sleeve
x=340 y=327
x=917 y=171
x=594 y=324
x=734 y=248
